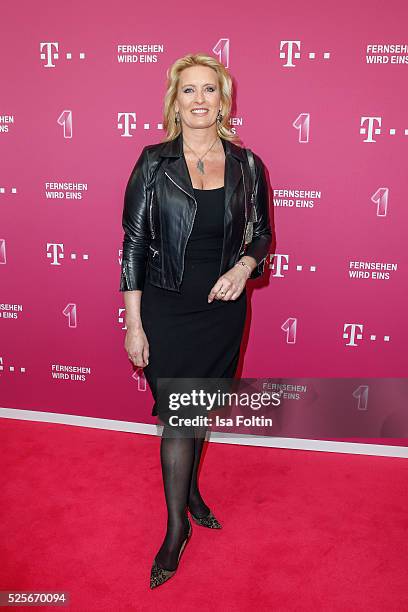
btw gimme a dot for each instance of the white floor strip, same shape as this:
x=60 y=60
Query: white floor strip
x=222 y=438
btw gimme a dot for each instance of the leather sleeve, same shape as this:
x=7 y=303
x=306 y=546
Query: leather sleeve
x=262 y=234
x=136 y=238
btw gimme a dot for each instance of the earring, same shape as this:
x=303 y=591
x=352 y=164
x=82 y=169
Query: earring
x=177 y=117
x=219 y=116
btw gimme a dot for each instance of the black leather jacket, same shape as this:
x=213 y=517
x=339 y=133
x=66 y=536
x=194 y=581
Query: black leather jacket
x=159 y=210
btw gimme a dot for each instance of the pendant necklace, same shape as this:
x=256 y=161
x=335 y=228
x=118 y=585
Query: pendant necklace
x=200 y=163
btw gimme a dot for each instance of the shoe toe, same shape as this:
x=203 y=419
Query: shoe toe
x=208 y=521
x=159 y=575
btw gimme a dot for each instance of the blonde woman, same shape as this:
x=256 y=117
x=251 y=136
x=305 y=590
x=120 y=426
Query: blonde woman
x=187 y=255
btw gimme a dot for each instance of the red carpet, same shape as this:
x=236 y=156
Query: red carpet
x=83 y=512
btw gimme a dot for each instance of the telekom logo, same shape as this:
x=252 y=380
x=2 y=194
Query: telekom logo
x=10 y=368
x=290 y=50
x=126 y=122
x=49 y=51
x=372 y=126
x=55 y=252
x=354 y=331
x=280 y=265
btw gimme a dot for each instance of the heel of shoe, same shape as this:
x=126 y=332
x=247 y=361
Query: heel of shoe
x=184 y=544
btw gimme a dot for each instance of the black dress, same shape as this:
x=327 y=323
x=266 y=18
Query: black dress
x=188 y=337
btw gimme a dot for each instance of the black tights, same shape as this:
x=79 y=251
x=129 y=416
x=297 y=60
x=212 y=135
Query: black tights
x=180 y=453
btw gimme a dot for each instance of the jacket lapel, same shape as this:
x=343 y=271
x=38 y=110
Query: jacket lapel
x=233 y=172
x=177 y=167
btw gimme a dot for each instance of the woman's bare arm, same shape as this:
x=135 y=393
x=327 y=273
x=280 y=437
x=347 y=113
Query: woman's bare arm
x=136 y=343
x=132 y=309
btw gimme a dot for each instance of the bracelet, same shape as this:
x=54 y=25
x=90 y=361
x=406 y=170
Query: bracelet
x=243 y=263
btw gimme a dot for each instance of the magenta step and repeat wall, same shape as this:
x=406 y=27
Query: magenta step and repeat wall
x=320 y=96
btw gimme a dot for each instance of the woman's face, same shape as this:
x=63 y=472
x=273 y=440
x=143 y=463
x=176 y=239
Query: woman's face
x=198 y=88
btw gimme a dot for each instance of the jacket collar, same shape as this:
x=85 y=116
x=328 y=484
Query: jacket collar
x=178 y=170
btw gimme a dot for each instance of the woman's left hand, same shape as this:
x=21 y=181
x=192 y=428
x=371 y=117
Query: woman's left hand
x=230 y=285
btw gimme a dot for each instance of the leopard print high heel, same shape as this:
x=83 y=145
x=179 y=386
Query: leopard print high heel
x=207 y=521
x=160 y=575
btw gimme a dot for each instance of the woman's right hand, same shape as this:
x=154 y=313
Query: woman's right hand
x=137 y=347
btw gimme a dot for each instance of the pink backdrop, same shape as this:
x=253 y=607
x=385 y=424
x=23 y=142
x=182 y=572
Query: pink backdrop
x=316 y=98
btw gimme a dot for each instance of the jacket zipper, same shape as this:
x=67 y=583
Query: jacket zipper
x=192 y=224
x=154 y=250
x=246 y=216
x=151 y=215
x=126 y=274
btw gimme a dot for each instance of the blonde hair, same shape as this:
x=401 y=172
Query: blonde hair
x=172 y=128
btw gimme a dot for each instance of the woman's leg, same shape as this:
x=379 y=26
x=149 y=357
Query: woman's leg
x=177 y=459
x=195 y=501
